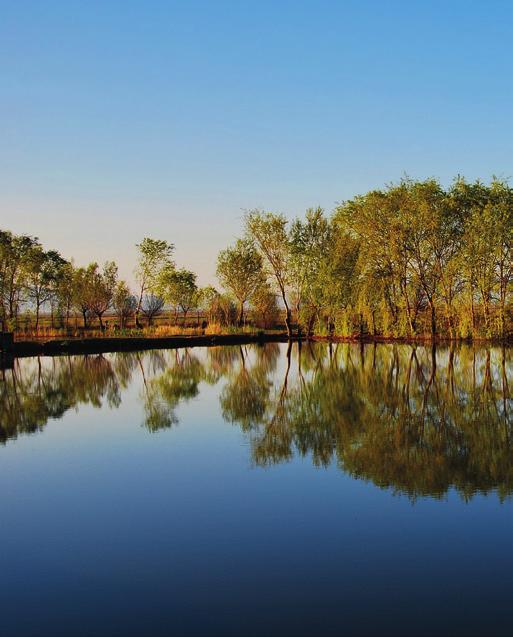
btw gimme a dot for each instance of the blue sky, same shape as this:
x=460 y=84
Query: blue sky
x=121 y=120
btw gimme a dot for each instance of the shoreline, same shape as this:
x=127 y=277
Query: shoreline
x=56 y=347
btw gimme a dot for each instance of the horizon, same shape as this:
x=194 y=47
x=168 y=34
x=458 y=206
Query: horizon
x=168 y=121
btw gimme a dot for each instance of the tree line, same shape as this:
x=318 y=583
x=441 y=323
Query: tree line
x=34 y=282
x=411 y=260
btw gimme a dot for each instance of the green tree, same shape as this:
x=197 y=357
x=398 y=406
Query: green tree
x=239 y=269
x=43 y=270
x=153 y=256
x=178 y=288
x=311 y=243
x=15 y=255
x=82 y=296
x=269 y=232
x=102 y=286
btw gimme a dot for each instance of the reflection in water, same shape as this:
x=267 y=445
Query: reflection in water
x=407 y=418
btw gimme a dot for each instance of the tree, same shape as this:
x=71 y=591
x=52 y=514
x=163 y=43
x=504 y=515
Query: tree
x=123 y=302
x=43 y=271
x=239 y=269
x=101 y=289
x=218 y=307
x=152 y=306
x=178 y=287
x=269 y=232
x=154 y=256
x=310 y=243
x=208 y=299
x=263 y=300
x=15 y=253
x=82 y=283
x=64 y=290
x=501 y=196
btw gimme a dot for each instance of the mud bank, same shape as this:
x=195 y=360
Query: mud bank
x=130 y=344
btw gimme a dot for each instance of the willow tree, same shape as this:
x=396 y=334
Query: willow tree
x=239 y=270
x=310 y=244
x=410 y=239
x=501 y=196
x=426 y=241
x=269 y=232
x=373 y=220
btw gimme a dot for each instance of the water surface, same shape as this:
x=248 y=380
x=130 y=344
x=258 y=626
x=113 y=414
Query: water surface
x=258 y=490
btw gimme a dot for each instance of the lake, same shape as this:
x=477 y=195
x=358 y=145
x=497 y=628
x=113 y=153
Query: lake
x=258 y=490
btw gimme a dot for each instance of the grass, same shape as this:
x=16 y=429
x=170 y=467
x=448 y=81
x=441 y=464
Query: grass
x=154 y=331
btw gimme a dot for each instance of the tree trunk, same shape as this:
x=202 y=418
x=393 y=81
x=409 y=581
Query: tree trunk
x=473 y=311
x=288 y=322
x=373 y=315
x=241 y=313
x=84 y=314
x=403 y=285
x=433 y=319
x=502 y=311
x=311 y=321
x=138 y=324
x=486 y=312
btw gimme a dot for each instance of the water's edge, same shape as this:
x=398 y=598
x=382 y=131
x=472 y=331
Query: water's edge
x=55 y=347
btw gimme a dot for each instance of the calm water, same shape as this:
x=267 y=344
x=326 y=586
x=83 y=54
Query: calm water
x=230 y=491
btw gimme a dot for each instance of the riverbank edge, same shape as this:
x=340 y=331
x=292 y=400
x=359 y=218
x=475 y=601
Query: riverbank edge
x=56 y=347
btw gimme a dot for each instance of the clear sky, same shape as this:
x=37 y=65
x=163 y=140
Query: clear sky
x=121 y=120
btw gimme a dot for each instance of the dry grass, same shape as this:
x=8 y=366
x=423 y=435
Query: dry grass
x=173 y=330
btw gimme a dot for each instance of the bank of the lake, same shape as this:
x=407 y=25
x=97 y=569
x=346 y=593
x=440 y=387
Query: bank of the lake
x=101 y=345
x=52 y=347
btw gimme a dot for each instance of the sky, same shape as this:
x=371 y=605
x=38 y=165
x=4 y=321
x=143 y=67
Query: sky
x=120 y=120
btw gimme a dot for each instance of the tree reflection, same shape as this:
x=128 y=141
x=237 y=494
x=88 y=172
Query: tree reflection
x=407 y=418
x=32 y=392
x=245 y=397
x=410 y=419
x=177 y=382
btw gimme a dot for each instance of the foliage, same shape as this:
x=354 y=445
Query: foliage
x=154 y=256
x=239 y=269
x=269 y=233
x=412 y=260
x=123 y=302
x=178 y=288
